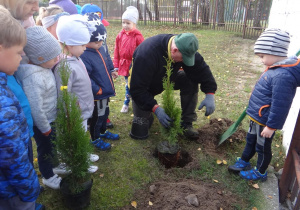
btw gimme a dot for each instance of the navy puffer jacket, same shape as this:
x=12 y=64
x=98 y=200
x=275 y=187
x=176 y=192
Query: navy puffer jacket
x=99 y=66
x=273 y=93
x=17 y=175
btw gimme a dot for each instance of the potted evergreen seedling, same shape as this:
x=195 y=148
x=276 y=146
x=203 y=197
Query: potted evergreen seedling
x=72 y=144
x=169 y=150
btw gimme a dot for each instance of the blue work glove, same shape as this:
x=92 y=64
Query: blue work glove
x=163 y=118
x=209 y=102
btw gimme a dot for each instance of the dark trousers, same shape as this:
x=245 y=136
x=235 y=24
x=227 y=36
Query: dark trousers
x=98 y=120
x=45 y=151
x=259 y=144
x=15 y=203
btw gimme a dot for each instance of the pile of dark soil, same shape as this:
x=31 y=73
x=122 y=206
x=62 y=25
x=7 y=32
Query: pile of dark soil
x=171 y=194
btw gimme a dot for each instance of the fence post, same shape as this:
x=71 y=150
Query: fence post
x=245 y=21
x=286 y=177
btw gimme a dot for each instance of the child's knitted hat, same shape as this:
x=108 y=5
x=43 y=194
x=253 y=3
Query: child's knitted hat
x=74 y=30
x=273 y=42
x=67 y=5
x=100 y=33
x=41 y=45
x=131 y=14
x=93 y=8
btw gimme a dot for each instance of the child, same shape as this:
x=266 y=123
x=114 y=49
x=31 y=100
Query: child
x=126 y=42
x=96 y=63
x=269 y=103
x=39 y=85
x=48 y=18
x=74 y=33
x=92 y=8
x=19 y=184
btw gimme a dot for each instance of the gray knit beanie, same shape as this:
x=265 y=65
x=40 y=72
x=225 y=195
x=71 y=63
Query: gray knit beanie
x=41 y=45
x=273 y=42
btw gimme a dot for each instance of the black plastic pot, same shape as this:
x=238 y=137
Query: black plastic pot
x=79 y=200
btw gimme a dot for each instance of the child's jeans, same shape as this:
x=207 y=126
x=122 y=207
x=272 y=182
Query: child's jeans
x=127 y=93
x=98 y=120
x=15 y=203
x=259 y=144
x=45 y=151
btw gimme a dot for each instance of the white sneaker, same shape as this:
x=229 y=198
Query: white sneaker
x=94 y=157
x=61 y=169
x=124 y=109
x=53 y=182
x=92 y=169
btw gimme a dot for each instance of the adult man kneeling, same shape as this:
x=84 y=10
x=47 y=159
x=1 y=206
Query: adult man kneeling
x=146 y=81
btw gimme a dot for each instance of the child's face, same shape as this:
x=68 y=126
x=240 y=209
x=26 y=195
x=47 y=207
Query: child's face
x=10 y=58
x=269 y=60
x=49 y=64
x=127 y=25
x=76 y=50
x=29 y=8
x=95 y=45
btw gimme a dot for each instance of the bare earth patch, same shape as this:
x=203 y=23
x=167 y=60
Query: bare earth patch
x=172 y=194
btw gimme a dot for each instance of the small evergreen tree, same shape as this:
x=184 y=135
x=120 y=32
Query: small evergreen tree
x=72 y=141
x=169 y=105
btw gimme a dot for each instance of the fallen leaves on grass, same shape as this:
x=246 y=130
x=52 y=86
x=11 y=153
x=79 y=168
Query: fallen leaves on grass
x=101 y=175
x=255 y=186
x=219 y=162
x=216 y=181
x=134 y=204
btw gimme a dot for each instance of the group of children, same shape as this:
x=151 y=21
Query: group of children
x=80 y=39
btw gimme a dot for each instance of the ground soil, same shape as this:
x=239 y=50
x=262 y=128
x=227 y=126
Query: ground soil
x=171 y=194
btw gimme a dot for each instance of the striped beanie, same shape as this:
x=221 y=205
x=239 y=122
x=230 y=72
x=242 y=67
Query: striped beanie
x=273 y=42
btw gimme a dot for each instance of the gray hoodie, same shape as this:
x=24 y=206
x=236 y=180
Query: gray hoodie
x=80 y=84
x=39 y=86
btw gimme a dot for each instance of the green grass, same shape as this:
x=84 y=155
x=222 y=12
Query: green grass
x=130 y=165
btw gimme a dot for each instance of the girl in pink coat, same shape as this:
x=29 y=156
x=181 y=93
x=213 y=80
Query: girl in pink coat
x=127 y=40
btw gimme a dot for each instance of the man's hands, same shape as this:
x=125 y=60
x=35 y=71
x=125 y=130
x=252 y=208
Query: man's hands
x=209 y=102
x=163 y=118
x=267 y=132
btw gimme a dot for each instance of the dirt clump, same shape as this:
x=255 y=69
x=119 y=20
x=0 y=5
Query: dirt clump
x=209 y=135
x=172 y=195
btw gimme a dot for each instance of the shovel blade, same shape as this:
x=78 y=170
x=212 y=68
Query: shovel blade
x=232 y=129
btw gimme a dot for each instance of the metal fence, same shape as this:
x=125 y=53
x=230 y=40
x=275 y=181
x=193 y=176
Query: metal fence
x=249 y=17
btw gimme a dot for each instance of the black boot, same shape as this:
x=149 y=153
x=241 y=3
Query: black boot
x=189 y=131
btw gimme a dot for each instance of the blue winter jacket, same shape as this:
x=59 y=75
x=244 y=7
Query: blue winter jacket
x=273 y=93
x=99 y=66
x=17 y=175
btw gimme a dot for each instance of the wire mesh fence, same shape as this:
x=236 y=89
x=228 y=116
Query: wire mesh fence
x=249 y=17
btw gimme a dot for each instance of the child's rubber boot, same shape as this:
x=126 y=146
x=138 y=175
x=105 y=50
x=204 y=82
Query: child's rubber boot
x=109 y=135
x=254 y=174
x=109 y=124
x=239 y=166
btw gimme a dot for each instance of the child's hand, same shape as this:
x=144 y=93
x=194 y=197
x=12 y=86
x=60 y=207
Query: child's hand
x=114 y=74
x=267 y=132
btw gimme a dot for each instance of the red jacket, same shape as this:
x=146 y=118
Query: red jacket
x=126 y=42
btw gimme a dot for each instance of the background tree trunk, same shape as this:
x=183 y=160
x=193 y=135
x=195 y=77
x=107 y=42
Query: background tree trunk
x=156 y=10
x=258 y=13
x=205 y=11
x=139 y=9
x=194 y=12
x=180 y=12
x=221 y=11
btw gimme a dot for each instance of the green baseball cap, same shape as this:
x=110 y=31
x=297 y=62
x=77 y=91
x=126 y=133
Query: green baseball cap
x=187 y=44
